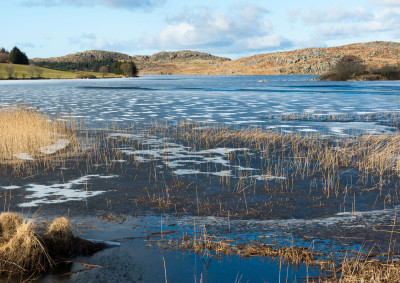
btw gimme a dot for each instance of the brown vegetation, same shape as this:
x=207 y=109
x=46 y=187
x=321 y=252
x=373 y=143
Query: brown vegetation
x=24 y=251
x=29 y=138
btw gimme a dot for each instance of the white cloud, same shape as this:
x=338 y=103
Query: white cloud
x=240 y=29
x=181 y=34
x=128 y=4
x=338 y=23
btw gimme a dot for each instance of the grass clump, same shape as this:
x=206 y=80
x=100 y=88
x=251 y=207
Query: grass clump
x=24 y=251
x=28 y=136
x=21 y=250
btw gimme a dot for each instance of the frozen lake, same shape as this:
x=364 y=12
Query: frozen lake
x=233 y=100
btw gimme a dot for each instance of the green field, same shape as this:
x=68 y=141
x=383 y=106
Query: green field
x=21 y=72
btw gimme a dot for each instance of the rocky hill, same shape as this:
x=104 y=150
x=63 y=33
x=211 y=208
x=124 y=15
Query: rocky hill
x=181 y=62
x=304 y=61
x=311 y=60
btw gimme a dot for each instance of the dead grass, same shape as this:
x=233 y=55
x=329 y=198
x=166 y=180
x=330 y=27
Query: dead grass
x=29 y=138
x=215 y=246
x=304 y=156
x=356 y=270
x=24 y=251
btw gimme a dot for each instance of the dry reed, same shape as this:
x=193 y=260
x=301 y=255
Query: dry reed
x=24 y=251
x=30 y=139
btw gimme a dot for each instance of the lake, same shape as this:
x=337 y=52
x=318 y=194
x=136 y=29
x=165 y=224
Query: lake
x=184 y=158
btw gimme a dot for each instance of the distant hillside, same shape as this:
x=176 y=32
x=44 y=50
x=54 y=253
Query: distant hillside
x=89 y=55
x=305 y=61
x=180 y=62
x=311 y=60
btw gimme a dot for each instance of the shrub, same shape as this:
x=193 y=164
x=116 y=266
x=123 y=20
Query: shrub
x=85 y=76
x=9 y=70
x=348 y=67
x=390 y=72
x=127 y=69
x=104 y=71
x=3 y=57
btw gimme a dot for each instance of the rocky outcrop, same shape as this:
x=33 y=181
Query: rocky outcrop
x=179 y=62
x=311 y=60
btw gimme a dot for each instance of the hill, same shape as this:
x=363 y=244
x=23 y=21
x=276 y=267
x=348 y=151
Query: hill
x=89 y=55
x=184 y=62
x=311 y=60
x=303 y=61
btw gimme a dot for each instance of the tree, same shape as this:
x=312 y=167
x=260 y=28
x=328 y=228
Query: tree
x=104 y=71
x=18 y=57
x=127 y=69
x=3 y=55
x=9 y=70
x=39 y=72
x=390 y=72
x=349 y=66
x=32 y=70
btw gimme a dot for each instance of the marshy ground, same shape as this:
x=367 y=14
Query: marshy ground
x=319 y=201
x=287 y=180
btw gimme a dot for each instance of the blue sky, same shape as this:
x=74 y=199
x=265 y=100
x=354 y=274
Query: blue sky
x=45 y=28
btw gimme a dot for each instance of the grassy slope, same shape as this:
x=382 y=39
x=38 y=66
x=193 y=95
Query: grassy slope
x=21 y=70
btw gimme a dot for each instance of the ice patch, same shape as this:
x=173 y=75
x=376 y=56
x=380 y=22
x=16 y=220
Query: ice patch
x=59 y=145
x=60 y=193
x=267 y=177
x=10 y=187
x=24 y=156
x=225 y=173
x=186 y=172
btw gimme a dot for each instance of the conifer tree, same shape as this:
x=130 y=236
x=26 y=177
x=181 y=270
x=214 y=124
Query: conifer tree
x=18 y=57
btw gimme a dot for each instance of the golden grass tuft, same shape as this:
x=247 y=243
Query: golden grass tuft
x=60 y=236
x=26 y=131
x=24 y=251
x=31 y=141
x=9 y=222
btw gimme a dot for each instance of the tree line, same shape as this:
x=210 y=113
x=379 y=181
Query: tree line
x=16 y=56
x=105 y=66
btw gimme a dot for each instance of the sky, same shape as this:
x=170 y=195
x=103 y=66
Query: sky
x=233 y=29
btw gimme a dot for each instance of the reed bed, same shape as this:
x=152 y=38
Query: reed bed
x=29 y=139
x=305 y=156
x=32 y=142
